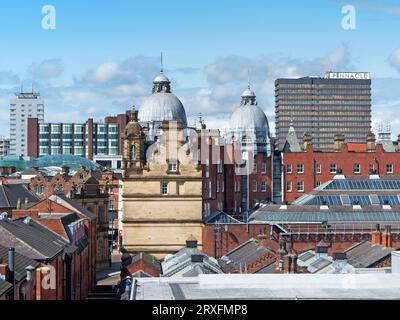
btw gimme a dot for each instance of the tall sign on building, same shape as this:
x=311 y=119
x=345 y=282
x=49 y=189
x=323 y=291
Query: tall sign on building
x=338 y=103
x=25 y=105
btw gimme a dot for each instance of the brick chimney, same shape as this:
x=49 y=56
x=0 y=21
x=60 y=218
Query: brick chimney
x=4 y=272
x=339 y=141
x=371 y=146
x=387 y=237
x=376 y=236
x=307 y=142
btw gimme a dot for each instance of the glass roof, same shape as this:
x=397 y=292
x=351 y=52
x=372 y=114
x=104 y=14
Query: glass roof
x=352 y=199
x=16 y=162
x=363 y=184
x=59 y=160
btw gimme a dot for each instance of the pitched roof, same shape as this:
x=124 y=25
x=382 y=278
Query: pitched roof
x=71 y=204
x=21 y=262
x=4 y=287
x=292 y=142
x=141 y=256
x=181 y=263
x=31 y=239
x=364 y=254
x=9 y=194
x=243 y=255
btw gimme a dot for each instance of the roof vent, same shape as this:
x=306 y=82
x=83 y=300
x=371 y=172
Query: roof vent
x=339 y=177
x=339 y=256
x=197 y=258
x=27 y=220
x=386 y=207
x=283 y=207
x=356 y=207
x=324 y=207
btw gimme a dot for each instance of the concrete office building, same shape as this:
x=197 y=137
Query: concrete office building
x=338 y=103
x=25 y=105
x=90 y=139
x=4 y=146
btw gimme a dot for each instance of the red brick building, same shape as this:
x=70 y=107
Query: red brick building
x=85 y=190
x=303 y=170
x=77 y=230
x=227 y=185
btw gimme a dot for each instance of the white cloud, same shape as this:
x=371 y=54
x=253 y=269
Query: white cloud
x=394 y=59
x=8 y=77
x=104 y=73
x=47 y=69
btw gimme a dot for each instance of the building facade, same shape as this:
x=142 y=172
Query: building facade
x=306 y=168
x=237 y=167
x=339 y=103
x=4 y=146
x=82 y=139
x=25 y=105
x=162 y=178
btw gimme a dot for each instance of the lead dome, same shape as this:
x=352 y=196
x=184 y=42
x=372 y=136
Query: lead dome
x=162 y=104
x=248 y=123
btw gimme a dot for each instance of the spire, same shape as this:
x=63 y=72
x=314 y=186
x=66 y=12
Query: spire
x=248 y=78
x=161 y=64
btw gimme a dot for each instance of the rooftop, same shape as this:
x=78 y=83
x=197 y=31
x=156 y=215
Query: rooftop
x=271 y=287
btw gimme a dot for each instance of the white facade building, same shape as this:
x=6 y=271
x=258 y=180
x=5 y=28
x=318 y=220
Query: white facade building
x=25 y=105
x=4 y=146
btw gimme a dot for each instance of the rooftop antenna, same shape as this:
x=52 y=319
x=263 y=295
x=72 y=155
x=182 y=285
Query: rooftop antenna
x=161 y=64
x=22 y=87
x=32 y=86
x=248 y=78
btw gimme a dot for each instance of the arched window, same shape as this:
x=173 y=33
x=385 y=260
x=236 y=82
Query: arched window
x=133 y=152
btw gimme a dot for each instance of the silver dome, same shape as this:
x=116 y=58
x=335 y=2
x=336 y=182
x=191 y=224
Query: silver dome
x=161 y=78
x=161 y=104
x=248 y=123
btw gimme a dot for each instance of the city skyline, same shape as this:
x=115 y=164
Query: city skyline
x=122 y=58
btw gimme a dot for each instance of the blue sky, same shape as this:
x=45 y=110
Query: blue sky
x=103 y=54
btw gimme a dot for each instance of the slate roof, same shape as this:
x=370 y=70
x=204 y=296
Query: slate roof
x=242 y=255
x=31 y=239
x=220 y=217
x=71 y=204
x=9 y=194
x=182 y=260
x=29 y=171
x=334 y=214
x=4 y=287
x=21 y=262
x=364 y=254
x=270 y=268
x=292 y=142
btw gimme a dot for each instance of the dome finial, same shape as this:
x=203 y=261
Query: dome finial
x=161 y=64
x=248 y=78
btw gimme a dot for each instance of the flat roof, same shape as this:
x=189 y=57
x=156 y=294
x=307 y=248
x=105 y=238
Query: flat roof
x=271 y=287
